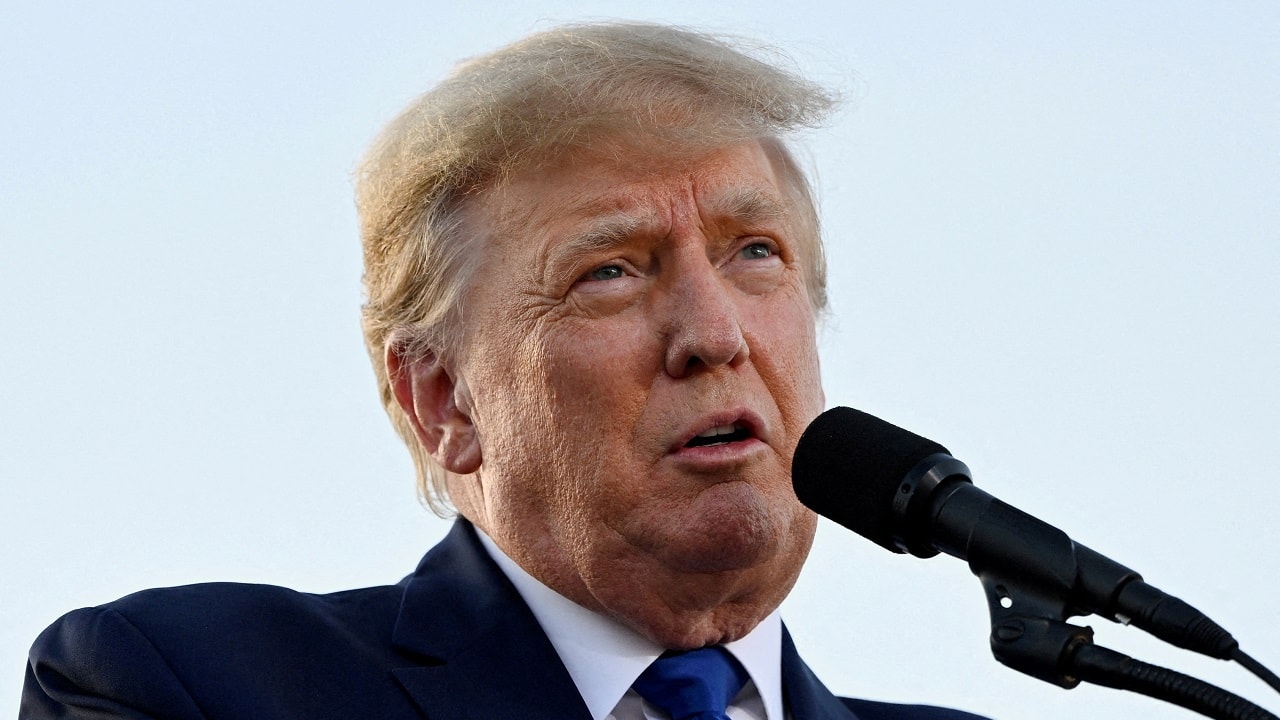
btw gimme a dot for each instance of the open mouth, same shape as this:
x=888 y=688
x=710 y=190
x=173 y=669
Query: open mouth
x=720 y=435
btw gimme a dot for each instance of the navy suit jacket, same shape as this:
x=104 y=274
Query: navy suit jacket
x=452 y=641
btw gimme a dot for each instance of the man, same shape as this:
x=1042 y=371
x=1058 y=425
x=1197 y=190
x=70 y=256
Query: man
x=593 y=272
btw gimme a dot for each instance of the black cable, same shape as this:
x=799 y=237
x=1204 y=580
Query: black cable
x=1256 y=668
x=1101 y=666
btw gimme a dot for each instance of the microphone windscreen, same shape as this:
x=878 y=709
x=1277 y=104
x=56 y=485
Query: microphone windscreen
x=848 y=466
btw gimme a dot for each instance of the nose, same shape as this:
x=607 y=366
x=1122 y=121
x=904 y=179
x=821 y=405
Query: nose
x=704 y=322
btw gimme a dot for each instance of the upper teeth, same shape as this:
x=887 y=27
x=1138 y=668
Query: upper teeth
x=721 y=430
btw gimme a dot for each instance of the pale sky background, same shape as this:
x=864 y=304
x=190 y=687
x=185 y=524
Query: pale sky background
x=1054 y=238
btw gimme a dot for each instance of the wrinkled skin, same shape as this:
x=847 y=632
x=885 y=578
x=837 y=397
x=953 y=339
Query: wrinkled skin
x=625 y=304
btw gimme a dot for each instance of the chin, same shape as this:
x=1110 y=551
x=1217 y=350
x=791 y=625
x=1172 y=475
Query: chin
x=734 y=528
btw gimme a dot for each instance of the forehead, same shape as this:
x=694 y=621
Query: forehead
x=620 y=188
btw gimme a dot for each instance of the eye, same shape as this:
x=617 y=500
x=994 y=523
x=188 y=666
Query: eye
x=605 y=272
x=756 y=251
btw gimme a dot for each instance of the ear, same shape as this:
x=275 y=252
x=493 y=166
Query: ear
x=437 y=404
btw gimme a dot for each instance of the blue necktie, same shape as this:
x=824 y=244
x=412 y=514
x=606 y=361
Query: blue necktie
x=693 y=685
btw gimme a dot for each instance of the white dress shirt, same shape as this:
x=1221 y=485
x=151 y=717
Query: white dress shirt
x=604 y=657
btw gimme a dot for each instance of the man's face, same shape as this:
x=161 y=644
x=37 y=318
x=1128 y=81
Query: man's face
x=638 y=363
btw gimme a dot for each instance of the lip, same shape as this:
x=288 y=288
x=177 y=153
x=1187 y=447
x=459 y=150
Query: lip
x=744 y=417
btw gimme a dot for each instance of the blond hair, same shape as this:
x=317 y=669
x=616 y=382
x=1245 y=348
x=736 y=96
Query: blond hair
x=521 y=105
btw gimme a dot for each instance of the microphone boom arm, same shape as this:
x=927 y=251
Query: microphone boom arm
x=1035 y=577
x=1039 y=559
x=907 y=494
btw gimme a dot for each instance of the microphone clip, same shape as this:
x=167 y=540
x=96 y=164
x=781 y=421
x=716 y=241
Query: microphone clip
x=1029 y=632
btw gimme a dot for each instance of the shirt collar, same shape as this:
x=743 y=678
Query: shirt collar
x=604 y=657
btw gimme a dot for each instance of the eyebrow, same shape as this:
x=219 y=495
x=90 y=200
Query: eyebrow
x=741 y=204
x=604 y=233
x=749 y=205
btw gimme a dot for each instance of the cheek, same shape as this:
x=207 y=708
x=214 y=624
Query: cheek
x=599 y=373
x=558 y=414
x=808 y=371
x=786 y=354
x=600 y=377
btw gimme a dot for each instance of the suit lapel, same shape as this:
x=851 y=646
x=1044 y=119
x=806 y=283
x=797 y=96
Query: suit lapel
x=481 y=653
x=805 y=696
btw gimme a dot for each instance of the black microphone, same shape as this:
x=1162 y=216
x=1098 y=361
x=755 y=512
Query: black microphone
x=907 y=494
